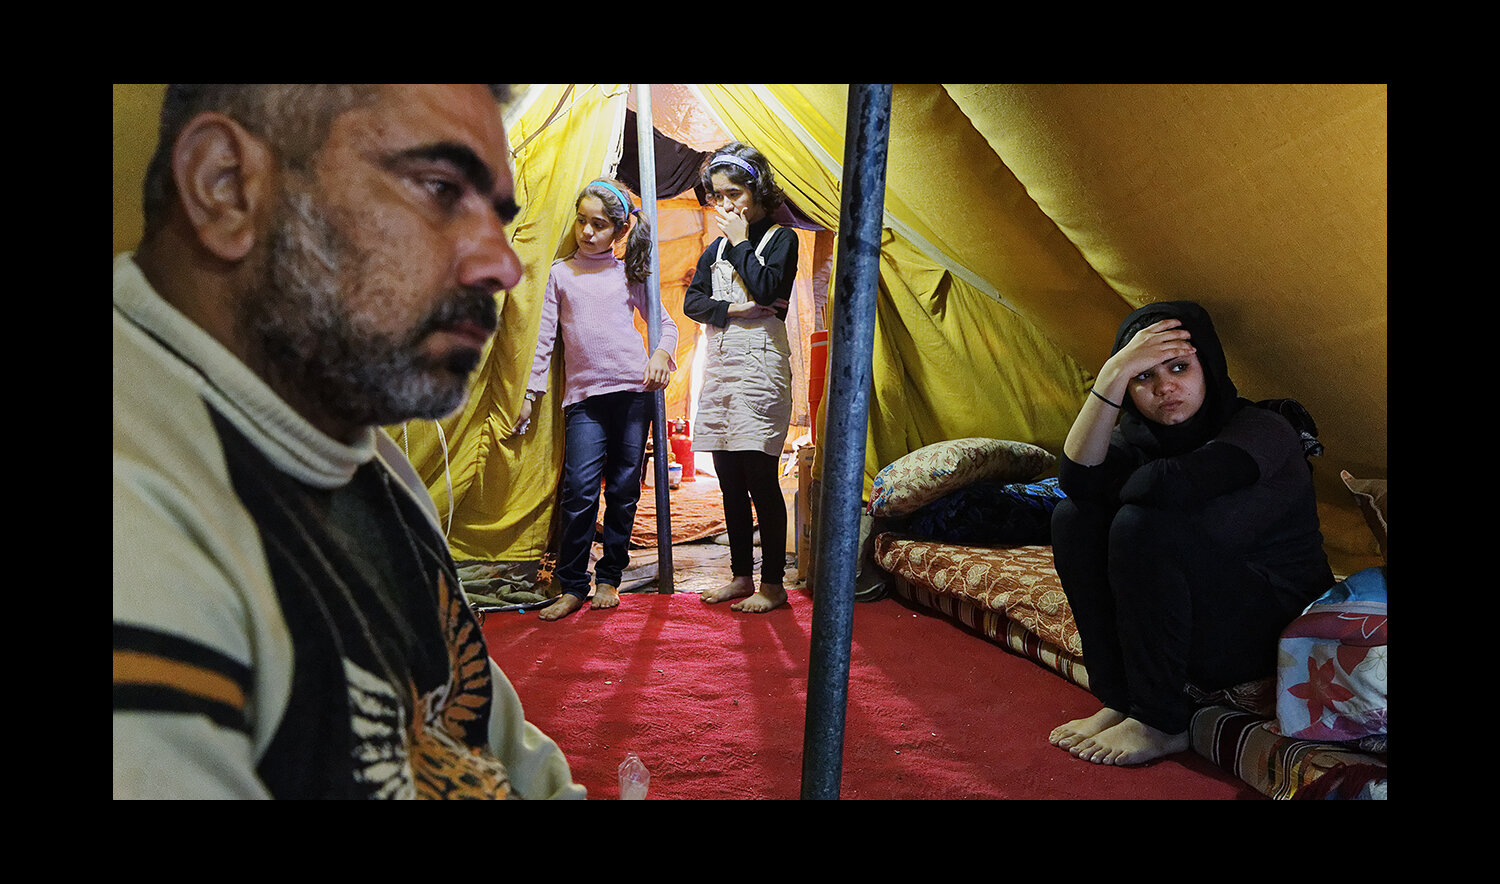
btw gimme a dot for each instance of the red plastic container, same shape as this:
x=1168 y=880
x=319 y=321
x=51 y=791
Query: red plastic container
x=815 y=379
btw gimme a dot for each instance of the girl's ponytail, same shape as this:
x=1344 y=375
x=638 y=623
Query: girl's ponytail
x=638 y=249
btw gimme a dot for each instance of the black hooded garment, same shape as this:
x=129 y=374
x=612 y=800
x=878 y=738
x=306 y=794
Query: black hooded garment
x=1221 y=398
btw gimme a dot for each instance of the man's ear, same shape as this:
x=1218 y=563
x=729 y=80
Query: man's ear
x=224 y=178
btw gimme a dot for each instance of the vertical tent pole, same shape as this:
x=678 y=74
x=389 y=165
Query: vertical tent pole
x=850 y=349
x=645 y=142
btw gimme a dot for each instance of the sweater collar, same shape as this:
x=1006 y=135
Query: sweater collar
x=283 y=435
x=603 y=259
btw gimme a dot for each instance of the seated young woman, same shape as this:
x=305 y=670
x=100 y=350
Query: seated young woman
x=1189 y=538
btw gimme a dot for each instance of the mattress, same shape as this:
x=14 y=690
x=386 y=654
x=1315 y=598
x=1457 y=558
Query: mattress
x=1011 y=595
x=1248 y=746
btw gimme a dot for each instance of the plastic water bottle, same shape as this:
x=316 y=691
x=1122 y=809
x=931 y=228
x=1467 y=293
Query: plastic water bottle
x=634 y=778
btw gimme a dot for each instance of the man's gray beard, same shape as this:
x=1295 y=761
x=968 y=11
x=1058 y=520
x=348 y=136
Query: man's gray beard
x=311 y=341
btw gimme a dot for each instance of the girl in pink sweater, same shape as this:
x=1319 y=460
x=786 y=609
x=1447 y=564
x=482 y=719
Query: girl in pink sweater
x=609 y=394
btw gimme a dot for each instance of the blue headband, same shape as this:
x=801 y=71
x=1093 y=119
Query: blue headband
x=734 y=161
x=624 y=201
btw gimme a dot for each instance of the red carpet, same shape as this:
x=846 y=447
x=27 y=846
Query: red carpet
x=714 y=702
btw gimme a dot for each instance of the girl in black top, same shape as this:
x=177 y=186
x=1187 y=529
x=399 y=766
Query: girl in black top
x=1189 y=538
x=741 y=290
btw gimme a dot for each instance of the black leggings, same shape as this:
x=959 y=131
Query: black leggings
x=1158 y=606
x=746 y=477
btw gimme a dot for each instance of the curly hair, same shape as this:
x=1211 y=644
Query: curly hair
x=638 y=245
x=762 y=186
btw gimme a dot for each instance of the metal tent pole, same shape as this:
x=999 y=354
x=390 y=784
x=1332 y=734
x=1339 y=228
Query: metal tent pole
x=850 y=348
x=645 y=143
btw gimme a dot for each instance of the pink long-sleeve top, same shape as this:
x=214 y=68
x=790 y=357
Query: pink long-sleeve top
x=590 y=304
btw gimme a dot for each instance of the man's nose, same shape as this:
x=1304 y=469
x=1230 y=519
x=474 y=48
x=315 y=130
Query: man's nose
x=488 y=261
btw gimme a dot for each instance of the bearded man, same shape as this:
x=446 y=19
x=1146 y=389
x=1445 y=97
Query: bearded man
x=318 y=262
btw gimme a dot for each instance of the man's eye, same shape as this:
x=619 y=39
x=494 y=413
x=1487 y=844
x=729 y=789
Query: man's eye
x=444 y=190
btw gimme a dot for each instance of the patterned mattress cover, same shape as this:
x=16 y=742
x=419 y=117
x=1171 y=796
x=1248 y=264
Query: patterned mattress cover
x=1010 y=594
x=1248 y=746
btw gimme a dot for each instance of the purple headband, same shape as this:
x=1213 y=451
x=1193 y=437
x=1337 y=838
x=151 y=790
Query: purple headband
x=734 y=161
x=630 y=209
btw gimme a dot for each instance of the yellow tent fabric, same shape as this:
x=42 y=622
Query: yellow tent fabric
x=1267 y=203
x=949 y=361
x=1074 y=204
x=1022 y=222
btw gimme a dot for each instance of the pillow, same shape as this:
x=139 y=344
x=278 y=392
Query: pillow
x=985 y=513
x=919 y=478
x=1370 y=493
x=1330 y=669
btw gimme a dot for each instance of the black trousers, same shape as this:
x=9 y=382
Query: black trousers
x=747 y=477
x=1158 y=606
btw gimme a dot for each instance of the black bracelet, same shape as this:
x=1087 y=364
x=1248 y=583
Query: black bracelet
x=1102 y=399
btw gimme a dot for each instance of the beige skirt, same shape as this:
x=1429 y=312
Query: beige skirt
x=746 y=401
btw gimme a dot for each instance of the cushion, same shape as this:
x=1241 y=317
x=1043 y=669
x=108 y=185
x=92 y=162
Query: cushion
x=1370 y=493
x=919 y=478
x=989 y=512
x=1331 y=674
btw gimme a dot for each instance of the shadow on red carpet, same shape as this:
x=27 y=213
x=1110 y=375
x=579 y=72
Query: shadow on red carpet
x=714 y=702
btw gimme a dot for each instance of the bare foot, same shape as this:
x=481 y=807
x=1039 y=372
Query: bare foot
x=737 y=588
x=1066 y=736
x=1130 y=742
x=769 y=596
x=561 y=607
x=605 y=596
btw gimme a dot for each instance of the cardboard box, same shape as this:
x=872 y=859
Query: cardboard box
x=805 y=501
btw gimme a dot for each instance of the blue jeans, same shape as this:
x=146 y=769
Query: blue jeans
x=604 y=442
